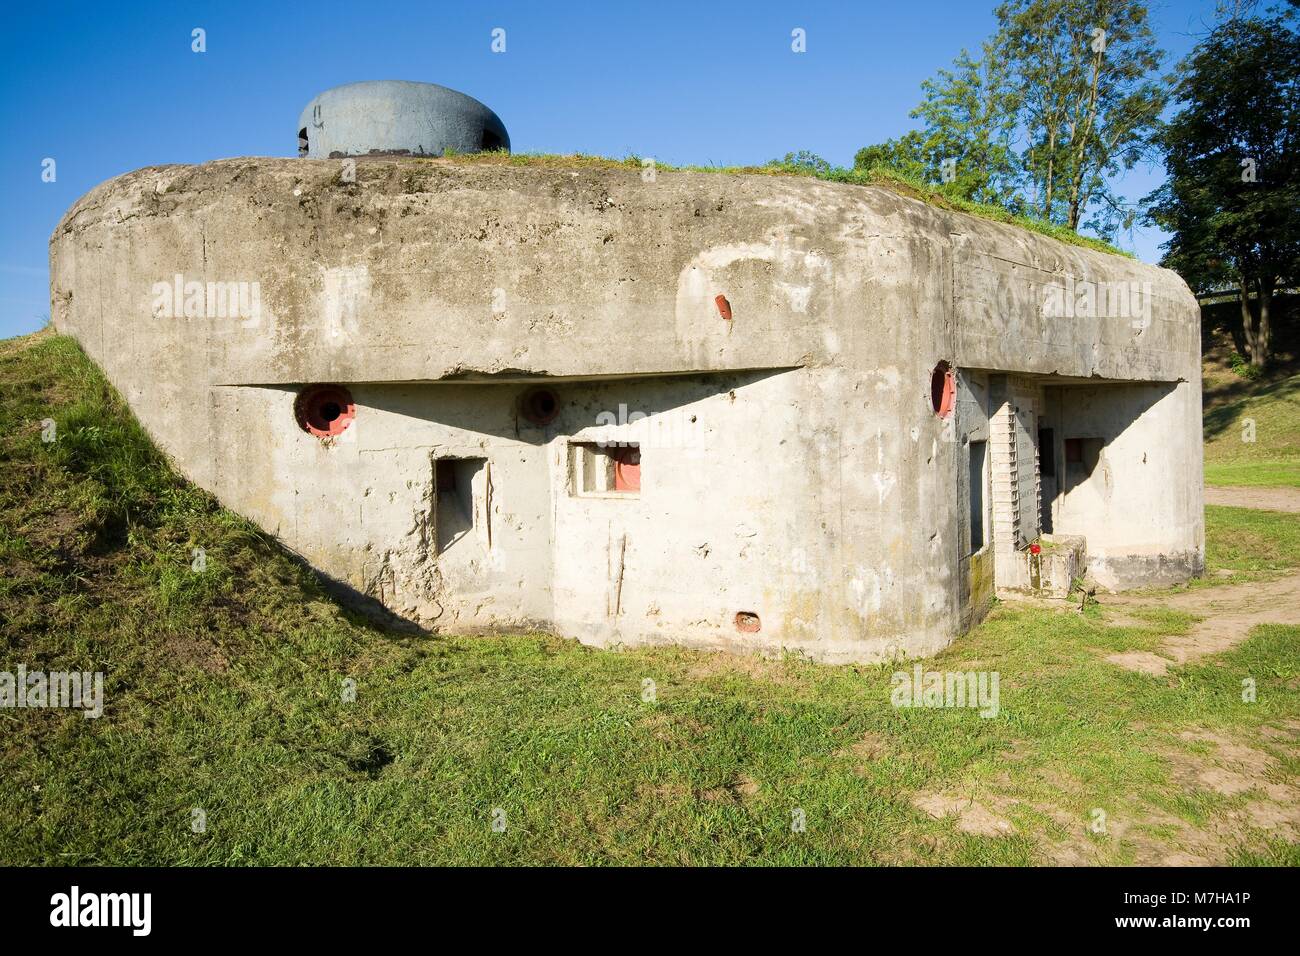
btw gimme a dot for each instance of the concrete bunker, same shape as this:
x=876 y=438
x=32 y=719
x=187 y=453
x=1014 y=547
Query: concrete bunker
x=734 y=412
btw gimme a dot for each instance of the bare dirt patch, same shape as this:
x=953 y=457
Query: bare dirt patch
x=738 y=790
x=1260 y=802
x=197 y=652
x=1264 y=805
x=1288 y=732
x=1235 y=769
x=1143 y=661
x=867 y=749
x=869 y=746
x=1262 y=499
x=674 y=728
x=752 y=666
x=1229 y=614
x=972 y=817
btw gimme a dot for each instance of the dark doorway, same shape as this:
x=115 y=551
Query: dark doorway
x=978 y=453
x=1047 y=475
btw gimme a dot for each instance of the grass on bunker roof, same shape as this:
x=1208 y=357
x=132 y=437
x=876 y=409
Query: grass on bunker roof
x=883 y=176
x=223 y=693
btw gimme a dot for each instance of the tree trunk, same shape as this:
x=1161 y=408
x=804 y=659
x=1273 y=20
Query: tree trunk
x=1263 y=331
x=1051 y=175
x=1256 y=324
x=1081 y=151
x=1247 y=320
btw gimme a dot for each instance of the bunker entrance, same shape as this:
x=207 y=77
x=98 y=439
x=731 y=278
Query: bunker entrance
x=1102 y=458
x=1004 y=441
x=1075 y=467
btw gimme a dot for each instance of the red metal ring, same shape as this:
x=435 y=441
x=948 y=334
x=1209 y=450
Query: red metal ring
x=943 y=389
x=324 y=410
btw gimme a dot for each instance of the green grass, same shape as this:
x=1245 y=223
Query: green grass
x=224 y=693
x=1275 y=853
x=1258 y=474
x=884 y=176
x=1252 y=432
x=1244 y=539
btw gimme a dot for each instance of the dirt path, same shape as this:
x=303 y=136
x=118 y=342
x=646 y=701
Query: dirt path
x=1264 y=499
x=1230 y=612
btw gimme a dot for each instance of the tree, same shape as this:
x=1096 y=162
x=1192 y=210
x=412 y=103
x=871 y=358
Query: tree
x=1062 y=98
x=1083 y=72
x=967 y=143
x=904 y=154
x=804 y=161
x=1232 y=200
x=970 y=118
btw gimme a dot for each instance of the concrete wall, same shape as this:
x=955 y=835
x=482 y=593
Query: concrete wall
x=1140 y=507
x=825 y=496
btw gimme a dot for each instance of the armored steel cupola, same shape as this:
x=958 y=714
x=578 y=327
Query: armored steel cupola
x=396 y=118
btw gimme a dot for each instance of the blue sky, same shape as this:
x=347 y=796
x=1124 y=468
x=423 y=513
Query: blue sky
x=103 y=88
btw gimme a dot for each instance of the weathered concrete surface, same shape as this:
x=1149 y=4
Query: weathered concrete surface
x=792 y=465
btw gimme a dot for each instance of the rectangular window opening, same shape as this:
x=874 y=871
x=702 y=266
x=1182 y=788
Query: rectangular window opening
x=1082 y=455
x=460 y=499
x=610 y=470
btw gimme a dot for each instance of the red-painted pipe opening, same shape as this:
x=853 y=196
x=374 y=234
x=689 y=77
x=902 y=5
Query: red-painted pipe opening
x=943 y=389
x=324 y=410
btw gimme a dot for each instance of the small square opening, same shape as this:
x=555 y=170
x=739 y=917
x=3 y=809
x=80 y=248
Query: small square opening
x=610 y=470
x=1083 y=454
